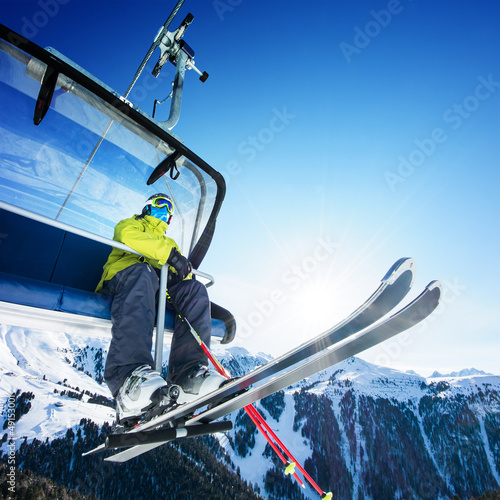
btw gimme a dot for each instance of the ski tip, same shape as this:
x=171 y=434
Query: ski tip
x=403 y=265
x=434 y=284
x=100 y=448
x=436 y=289
x=117 y=458
x=327 y=496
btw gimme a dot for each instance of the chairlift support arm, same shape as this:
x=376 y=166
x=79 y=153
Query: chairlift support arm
x=179 y=53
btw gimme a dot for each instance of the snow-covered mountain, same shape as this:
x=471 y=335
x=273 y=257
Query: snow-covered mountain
x=365 y=431
x=61 y=371
x=466 y=372
x=361 y=431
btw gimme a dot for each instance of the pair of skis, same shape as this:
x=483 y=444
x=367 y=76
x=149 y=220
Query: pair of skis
x=363 y=329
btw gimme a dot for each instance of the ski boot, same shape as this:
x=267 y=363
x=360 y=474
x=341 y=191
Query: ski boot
x=143 y=395
x=198 y=382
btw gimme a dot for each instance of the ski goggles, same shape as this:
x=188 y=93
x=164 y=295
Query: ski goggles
x=161 y=202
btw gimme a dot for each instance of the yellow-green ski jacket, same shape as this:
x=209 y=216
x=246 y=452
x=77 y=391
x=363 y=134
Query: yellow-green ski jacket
x=145 y=235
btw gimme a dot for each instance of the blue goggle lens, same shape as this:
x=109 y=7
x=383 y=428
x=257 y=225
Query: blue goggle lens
x=163 y=203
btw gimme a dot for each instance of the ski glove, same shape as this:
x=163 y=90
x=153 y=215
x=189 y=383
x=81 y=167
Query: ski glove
x=181 y=265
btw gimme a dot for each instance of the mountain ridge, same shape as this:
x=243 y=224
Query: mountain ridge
x=346 y=424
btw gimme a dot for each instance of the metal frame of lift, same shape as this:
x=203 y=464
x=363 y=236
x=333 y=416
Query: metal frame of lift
x=57 y=70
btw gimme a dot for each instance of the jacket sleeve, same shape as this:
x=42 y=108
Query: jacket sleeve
x=131 y=233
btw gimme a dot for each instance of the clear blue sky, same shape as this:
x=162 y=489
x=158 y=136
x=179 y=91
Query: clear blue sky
x=350 y=134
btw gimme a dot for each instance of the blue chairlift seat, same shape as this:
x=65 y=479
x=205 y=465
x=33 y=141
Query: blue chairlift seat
x=48 y=268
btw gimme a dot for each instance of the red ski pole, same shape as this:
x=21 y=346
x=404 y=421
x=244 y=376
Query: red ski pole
x=257 y=418
x=251 y=411
x=294 y=462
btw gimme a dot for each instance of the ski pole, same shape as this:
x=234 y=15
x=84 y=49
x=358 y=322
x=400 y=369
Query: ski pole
x=253 y=412
x=294 y=462
x=261 y=424
x=250 y=409
x=259 y=421
x=253 y=416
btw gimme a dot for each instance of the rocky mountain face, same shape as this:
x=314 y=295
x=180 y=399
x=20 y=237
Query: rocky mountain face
x=371 y=432
x=360 y=430
x=401 y=437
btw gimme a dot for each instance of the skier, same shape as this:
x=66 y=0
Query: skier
x=133 y=283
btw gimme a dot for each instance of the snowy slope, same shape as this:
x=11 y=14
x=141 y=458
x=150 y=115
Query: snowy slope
x=42 y=362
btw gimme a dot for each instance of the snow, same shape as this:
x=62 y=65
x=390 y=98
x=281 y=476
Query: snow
x=355 y=467
x=429 y=449
x=466 y=372
x=37 y=361
x=489 y=453
x=42 y=362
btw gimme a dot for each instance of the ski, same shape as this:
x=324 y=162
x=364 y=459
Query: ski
x=409 y=316
x=412 y=314
x=160 y=436
x=393 y=287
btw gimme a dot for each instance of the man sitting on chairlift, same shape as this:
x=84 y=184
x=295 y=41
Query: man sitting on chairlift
x=133 y=283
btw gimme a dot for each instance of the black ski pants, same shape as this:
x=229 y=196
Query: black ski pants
x=134 y=292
